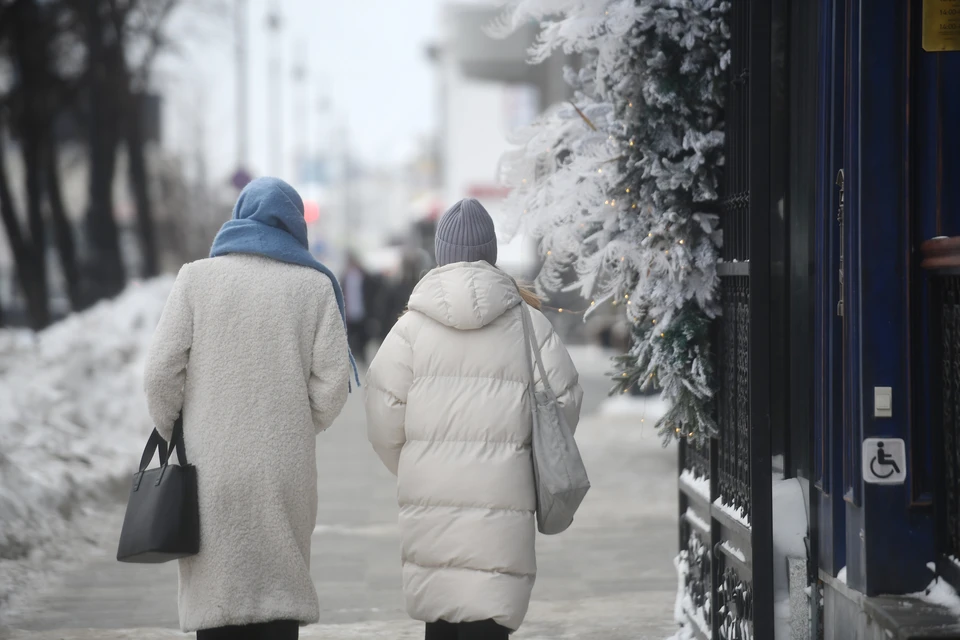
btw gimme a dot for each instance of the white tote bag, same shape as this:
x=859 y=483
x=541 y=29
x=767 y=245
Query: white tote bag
x=558 y=471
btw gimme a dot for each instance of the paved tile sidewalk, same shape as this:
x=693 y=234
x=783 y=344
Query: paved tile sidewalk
x=610 y=576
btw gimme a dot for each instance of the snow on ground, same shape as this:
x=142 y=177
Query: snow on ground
x=939 y=592
x=592 y=360
x=649 y=409
x=73 y=421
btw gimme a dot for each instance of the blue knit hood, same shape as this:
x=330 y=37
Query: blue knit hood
x=268 y=221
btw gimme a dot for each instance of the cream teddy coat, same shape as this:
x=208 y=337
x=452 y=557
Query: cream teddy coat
x=448 y=412
x=254 y=351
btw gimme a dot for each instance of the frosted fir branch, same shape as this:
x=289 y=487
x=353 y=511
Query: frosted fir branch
x=620 y=185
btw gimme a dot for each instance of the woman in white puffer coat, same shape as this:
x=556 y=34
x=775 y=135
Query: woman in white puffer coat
x=448 y=412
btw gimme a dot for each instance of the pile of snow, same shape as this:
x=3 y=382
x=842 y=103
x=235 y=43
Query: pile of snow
x=73 y=421
x=939 y=592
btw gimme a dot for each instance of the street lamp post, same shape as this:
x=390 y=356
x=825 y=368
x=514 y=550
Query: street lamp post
x=274 y=102
x=240 y=25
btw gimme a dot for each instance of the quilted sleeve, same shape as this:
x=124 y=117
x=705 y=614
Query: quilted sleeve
x=388 y=382
x=330 y=369
x=561 y=372
x=166 y=363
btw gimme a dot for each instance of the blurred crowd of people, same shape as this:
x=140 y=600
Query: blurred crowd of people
x=373 y=300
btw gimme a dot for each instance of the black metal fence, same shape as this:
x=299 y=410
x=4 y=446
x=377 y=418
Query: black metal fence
x=950 y=385
x=943 y=258
x=725 y=511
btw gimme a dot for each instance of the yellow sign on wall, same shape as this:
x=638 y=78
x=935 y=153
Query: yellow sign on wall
x=941 y=25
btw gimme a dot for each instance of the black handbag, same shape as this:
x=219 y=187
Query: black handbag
x=162 y=521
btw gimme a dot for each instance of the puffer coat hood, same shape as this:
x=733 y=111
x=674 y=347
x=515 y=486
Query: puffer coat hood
x=465 y=295
x=448 y=412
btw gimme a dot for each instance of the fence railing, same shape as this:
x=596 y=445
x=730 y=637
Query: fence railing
x=941 y=258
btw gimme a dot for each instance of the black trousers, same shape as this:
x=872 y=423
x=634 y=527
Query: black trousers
x=276 y=630
x=481 y=630
x=357 y=338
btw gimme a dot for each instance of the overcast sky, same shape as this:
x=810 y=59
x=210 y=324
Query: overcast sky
x=368 y=56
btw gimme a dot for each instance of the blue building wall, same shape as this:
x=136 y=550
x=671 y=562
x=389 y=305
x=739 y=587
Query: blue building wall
x=890 y=119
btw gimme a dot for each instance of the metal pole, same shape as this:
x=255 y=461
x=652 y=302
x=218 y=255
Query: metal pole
x=299 y=77
x=345 y=185
x=240 y=24
x=274 y=104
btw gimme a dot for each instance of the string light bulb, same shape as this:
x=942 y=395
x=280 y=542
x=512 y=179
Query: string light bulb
x=599 y=170
x=628 y=189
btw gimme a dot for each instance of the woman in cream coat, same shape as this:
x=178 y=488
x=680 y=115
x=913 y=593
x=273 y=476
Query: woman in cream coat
x=449 y=413
x=252 y=347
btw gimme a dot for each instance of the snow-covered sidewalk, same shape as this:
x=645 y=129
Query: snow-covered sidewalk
x=72 y=423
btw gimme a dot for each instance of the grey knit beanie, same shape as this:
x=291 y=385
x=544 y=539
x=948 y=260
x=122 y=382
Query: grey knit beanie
x=465 y=233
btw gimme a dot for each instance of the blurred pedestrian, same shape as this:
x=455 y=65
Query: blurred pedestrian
x=358 y=296
x=448 y=412
x=251 y=348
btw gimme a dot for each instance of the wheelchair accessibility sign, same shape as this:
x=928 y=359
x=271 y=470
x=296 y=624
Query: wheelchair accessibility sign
x=884 y=461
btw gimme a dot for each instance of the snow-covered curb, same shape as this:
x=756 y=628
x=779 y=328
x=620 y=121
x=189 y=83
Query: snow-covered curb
x=72 y=423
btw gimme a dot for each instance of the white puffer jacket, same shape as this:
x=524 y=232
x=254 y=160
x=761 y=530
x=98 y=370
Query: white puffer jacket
x=449 y=413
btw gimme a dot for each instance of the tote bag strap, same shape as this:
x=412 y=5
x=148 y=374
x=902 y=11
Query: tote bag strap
x=156 y=443
x=534 y=347
x=529 y=344
x=176 y=441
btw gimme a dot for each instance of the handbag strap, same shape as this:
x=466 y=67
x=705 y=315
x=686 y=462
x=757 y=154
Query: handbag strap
x=176 y=441
x=534 y=347
x=529 y=345
x=154 y=443
x=157 y=443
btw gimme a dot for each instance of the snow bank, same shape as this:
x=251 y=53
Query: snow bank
x=73 y=421
x=940 y=593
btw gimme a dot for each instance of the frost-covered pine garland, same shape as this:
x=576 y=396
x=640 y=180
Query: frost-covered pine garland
x=621 y=183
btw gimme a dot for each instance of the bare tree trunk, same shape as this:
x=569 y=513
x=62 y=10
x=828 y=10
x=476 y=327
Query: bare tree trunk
x=139 y=182
x=30 y=146
x=105 y=263
x=34 y=289
x=62 y=229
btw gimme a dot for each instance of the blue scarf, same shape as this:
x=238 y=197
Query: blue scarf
x=268 y=221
